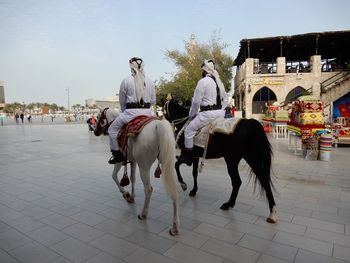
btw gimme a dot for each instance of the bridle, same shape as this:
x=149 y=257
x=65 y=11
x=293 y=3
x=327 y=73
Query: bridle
x=175 y=121
x=102 y=123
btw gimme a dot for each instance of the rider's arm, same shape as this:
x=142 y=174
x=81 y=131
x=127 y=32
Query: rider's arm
x=197 y=99
x=122 y=96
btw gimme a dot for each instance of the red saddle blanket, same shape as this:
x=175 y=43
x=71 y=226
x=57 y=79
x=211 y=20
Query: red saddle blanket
x=132 y=128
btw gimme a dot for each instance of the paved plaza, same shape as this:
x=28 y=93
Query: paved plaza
x=58 y=203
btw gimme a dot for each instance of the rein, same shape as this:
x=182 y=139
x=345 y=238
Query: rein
x=181 y=131
x=175 y=121
x=178 y=121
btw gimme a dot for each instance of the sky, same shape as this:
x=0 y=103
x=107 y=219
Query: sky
x=48 y=47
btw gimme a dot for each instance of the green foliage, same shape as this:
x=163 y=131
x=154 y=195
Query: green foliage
x=20 y=107
x=189 y=63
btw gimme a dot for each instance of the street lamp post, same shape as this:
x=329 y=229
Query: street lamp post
x=67 y=89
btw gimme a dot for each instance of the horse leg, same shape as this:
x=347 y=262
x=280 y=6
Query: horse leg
x=264 y=179
x=272 y=218
x=131 y=198
x=194 y=174
x=126 y=195
x=145 y=177
x=174 y=231
x=116 y=169
x=179 y=177
x=232 y=167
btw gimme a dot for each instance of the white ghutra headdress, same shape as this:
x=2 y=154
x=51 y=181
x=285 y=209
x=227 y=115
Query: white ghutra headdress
x=209 y=67
x=136 y=65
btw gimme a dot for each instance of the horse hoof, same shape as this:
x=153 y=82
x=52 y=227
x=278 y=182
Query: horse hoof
x=173 y=232
x=272 y=219
x=184 y=186
x=141 y=217
x=225 y=207
x=192 y=193
x=128 y=197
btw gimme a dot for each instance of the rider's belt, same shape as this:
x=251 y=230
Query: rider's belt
x=210 y=107
x=135 y=105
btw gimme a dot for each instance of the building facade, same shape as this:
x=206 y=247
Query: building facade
x=315 y=63
x=110 y=102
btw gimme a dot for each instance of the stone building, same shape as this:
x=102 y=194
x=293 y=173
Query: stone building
x=111 y=102
x=284 y=67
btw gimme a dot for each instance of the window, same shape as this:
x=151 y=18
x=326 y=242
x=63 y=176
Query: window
x=295 y=93
x=261 y=97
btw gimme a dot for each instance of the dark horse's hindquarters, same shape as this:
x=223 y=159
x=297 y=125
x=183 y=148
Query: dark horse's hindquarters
x=248 y=141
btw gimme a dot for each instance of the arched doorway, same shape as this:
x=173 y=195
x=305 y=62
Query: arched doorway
x=261 y=97
x=295 y=93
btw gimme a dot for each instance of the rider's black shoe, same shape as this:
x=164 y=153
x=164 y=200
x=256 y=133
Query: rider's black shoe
x=186 y=157
x=116 y=158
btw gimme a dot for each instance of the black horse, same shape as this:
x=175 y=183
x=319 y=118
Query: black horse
x=248 y=141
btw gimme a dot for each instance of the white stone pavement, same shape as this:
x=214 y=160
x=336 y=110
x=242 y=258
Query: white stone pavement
x=58 y=203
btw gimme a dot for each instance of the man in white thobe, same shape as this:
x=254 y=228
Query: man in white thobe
x=136 y=96
x=211 y=99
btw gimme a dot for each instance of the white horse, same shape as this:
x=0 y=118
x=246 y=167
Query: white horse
x=156 y=140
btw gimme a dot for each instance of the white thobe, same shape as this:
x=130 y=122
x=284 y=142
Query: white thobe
x=127 y=94
x=204 y=95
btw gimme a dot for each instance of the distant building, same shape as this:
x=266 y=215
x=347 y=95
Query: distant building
x=2 y=96
x=281 y=68
x=45 y=110
x=110 y=102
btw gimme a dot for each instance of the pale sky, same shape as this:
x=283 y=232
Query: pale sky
x=47 y=46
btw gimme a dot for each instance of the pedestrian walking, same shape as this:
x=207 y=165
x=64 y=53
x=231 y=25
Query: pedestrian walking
x=16 y=117
x=2 y=117
x=29 y=118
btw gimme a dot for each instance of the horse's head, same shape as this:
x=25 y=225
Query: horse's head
x=101 y=123
x=175 y=113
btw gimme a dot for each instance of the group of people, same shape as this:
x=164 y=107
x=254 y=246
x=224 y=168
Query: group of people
x=137 y=94
x=21 y=116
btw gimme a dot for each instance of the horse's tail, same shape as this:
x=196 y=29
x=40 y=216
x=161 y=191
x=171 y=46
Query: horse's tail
x=167 y=156
x=262 y=151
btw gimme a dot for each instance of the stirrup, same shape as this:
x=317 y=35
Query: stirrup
x=116 y=159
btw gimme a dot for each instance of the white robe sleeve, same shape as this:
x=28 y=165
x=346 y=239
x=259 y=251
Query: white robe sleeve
x=122 y=96
x=196 y=100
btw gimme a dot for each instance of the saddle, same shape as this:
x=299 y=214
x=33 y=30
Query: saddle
x=133 y=128
x=219 y=125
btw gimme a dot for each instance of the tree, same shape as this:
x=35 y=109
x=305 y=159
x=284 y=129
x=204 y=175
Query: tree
x=53 y=107
x=31 y=107
x=76 y=107
x=189 y=62
x=9 y=108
